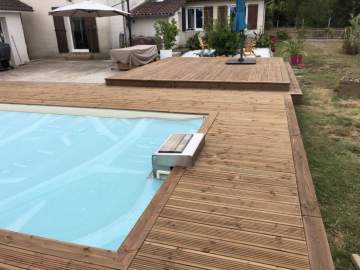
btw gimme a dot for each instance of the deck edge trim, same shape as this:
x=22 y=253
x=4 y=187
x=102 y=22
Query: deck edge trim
x=317 y=244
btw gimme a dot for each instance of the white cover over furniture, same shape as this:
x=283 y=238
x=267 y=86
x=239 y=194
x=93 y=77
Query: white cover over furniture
x=136 y=55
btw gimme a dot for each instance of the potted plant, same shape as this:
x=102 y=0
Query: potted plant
x=167 y=31
x=295 y=49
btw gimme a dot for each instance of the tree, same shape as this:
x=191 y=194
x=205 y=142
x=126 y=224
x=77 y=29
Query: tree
x=167 y=31
x=312 y=13
x=344 y=11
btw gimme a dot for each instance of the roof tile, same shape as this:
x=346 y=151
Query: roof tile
x=153 y=8
x=14 y=5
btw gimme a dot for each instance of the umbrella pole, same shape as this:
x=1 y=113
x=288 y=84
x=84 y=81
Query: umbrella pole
x=129 y=22
x=242 y=41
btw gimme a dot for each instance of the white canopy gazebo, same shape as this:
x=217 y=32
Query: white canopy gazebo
x=88 y=9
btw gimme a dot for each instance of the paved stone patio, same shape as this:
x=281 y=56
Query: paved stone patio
x=59 y=70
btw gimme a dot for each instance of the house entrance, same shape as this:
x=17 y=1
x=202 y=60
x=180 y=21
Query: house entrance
x=79 y=33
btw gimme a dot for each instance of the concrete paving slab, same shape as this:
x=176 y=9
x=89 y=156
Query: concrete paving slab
x=58 y=70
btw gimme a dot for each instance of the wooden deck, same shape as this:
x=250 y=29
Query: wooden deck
x=269 y=74
x=248 y=203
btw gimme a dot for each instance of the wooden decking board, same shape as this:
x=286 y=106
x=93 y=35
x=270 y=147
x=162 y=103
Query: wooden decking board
x=247 y=166
x=225 y=180
x=223 y=248
x=199 y=259
x=251 y=157
x=18 y=257
x=232 y=235
x=243 y=149
x=146 y=263
x=238 y=223
x=268 y=75
x=251 y=175
x=269 y=165
x=244 y=187
x=257 y=195
x=57 y=248
x=244 y=203
x=237 y=211
x=231 y=211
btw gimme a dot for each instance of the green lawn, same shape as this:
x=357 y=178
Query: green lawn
x=330 y=129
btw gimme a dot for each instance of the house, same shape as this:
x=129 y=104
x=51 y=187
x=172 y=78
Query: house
x=11 y=29
x=192 y=15
x=49 y=36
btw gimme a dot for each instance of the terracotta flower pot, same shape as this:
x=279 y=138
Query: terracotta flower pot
x=296 y=59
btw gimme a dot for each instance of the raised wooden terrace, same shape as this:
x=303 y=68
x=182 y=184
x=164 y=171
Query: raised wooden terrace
x=248 y=203
x=269 y=74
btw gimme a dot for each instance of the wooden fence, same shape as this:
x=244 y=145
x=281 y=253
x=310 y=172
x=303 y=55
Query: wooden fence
x=312 y=33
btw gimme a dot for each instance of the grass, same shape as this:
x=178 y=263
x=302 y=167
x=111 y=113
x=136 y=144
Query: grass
x=330 y=129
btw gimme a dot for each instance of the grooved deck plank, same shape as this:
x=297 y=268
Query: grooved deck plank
x=267 y=196
x=238 y=223
x=224 y=248
x=231 y=235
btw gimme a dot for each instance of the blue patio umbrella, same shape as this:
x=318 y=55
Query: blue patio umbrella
x=239 y=23
x=239 y=26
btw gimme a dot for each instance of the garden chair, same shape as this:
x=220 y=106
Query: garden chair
x=205 y=51
x=249 y=47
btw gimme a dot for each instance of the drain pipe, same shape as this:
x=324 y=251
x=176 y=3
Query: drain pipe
x=128 y=18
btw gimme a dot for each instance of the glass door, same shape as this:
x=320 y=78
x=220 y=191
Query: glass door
x=79 y=35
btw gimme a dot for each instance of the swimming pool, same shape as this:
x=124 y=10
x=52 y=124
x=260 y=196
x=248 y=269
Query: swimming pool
x=80 y=179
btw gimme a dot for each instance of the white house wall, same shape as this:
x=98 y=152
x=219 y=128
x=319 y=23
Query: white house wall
x=184 y=36
x=118 y=23
x=14 y=35
x=144 y=26
x=40 y=31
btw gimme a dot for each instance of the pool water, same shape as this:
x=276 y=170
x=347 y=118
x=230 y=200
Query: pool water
x=79 y=179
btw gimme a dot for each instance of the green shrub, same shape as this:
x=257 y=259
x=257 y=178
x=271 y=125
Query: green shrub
x=222 y=39
x=167 y=31
x=282 y=35
x=351 y=43
x=330 y=32
x=262 y=40
x=193 y=42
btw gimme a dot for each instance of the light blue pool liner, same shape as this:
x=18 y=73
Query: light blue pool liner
x=79 y=179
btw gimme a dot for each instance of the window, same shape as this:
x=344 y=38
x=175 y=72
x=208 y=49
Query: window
x=199 y=18
x=194 y=18
x=231 y=11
